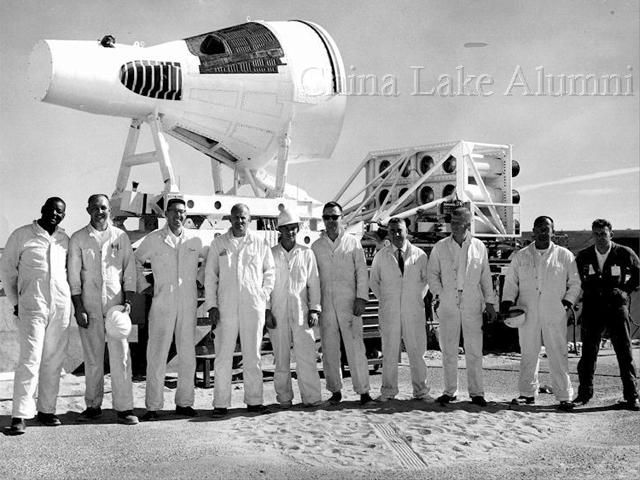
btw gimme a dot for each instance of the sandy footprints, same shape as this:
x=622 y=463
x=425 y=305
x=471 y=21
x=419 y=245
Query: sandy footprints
x=412 y=439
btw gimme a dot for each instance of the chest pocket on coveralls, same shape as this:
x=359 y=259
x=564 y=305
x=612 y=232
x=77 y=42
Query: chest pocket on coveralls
x=527 y=276
x=88 y=257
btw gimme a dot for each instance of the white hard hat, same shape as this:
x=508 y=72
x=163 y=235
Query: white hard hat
x=287 y=217
x=117 y=323
x=515 y=318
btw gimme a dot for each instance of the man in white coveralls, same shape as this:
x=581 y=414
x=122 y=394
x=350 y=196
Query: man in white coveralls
x=173 y=252
x=460 y=281
x=33 y=269
x=344 y=285
x=295 y=305
x=102 y=274
x=239 y=279
x=398 y=279
x=544 y=278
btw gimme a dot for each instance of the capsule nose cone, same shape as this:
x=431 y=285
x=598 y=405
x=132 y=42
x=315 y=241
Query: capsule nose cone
x=40 y=70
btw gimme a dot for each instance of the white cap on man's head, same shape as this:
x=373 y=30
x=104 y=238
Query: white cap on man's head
x=287 y=217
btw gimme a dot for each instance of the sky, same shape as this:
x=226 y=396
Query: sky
x=579 y=155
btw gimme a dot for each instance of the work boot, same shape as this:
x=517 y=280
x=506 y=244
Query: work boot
x=151 y=416
x=336 y=398
x=219 y=412
x=630 y=404
x=581 y=399
x=186 y=411
x=89 y=414
x=444 y=399
x=365 y=399
x=388 y=398
x=48 y=419
x=565 y=406
x=261 y=409
x=479 y=400
x=523 y=400
x=18 y=427
x=127 y=418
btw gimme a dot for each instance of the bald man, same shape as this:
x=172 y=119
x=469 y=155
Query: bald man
x=239 y=278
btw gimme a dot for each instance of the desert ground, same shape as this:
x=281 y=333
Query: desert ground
x=402 y=438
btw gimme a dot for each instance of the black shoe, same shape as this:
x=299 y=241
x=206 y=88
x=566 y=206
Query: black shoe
x=630 y=404
x=565 y=406
x=365 y=399
x=479 y=400
x=522 y=400
x=151 y=416
x=444 y=399
x=186 y=411
x=90 y=413
x=581 y=399
x=258 y=409
x=127 y=417
x=336 y=398
x=49 y=419
x=18 y=427
x=219 y=412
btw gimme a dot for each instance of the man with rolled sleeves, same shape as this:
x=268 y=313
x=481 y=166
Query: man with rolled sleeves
x=344 y=285
x=33 y=269
x=609 y=273
x=102 y=274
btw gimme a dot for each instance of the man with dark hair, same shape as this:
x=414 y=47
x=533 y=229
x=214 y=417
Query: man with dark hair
x=609 y=273
x=544 y=278
x=173 y=252
x=344 y=286
x=399 y=280
x=460 y=279
x=239 y=278
x=102 y=274
x=34 y=275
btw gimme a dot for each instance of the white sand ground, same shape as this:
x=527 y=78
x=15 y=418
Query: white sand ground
x=398 y=439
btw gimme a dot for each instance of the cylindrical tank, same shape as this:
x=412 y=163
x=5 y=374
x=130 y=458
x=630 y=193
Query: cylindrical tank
x=232 y=93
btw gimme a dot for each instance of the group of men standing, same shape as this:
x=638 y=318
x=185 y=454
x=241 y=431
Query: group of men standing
x=290 y=289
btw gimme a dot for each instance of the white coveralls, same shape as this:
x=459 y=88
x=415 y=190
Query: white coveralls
x=101 y=274
x=461 y=277
x=34 y=275
x=540 y=283
x=239 y=278
x=343 y=278
x=173 y=310
x=401 y=314
x=296 y=291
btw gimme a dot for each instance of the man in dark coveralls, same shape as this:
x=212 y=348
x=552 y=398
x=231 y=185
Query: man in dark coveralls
x=609 y=273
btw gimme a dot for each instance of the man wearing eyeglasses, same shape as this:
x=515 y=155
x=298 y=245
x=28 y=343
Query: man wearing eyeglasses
x=344 y=287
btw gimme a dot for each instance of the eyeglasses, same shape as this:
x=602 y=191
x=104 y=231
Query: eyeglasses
x=331 y=217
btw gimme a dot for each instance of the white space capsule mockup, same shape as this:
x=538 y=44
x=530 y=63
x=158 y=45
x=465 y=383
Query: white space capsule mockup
x=233 y=94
